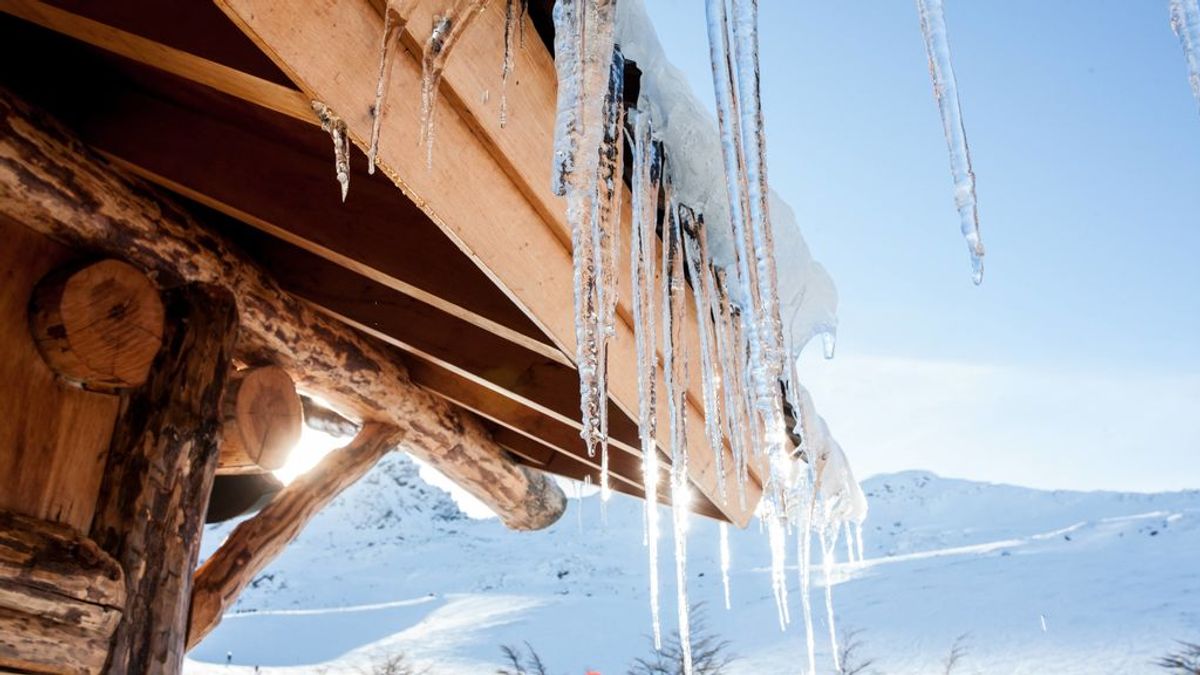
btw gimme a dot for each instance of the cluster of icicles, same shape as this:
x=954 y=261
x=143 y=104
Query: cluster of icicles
x=748 y=374
x=753 y=403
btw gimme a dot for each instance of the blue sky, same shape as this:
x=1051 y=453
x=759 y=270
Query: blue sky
x=1075 y=364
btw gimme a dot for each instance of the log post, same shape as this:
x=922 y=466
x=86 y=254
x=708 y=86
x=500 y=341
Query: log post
x=262 y=419
x=60 y=598
x=257 y=541
x=98 y=326
x=159 y=476
x=54 y=185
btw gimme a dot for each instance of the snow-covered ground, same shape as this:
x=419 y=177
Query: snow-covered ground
x=1039 y=582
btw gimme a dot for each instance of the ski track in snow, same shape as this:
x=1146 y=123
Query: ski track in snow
x=1113 y=576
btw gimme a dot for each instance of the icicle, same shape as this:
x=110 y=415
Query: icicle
x=945 y=90
x=804 y=565
x=336 y=128
x=585 y=89
x=731 y=354
x=447 y=30
x=675 y=368
x=725 y=561
x=849 y=542
x=858 y=538
x=1185 y=21
x=778 y=540
x=606 y=229
x=647 y=172
x=700 y=271
x=514 y=23
x=827 y=546
x=395 y=16
x=828 y=343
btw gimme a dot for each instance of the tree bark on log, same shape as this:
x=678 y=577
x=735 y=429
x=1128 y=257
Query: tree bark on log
x=61 y=597
x=158 y=479
x=53 y=184
x=256 y=542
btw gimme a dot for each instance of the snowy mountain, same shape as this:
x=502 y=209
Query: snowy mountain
x=1038 y=582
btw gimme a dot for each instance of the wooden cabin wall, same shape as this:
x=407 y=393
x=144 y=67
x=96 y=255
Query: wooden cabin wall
x=53 y=438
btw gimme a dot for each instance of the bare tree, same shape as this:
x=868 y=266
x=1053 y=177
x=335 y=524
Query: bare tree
x=958 y=651
x=850 y=654
x=529 y=663
x=710 y=654
x=1185 y=660
x=391 y=664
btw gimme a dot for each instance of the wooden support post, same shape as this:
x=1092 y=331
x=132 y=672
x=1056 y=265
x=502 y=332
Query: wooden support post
x=98 y=326
x=257 y=541
x=60 y=598
x=262 y=418
x=159 y=476
x=52 y=184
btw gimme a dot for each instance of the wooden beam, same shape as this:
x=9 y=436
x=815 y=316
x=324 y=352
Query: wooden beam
x=61 y=597
x=479 y=168
x=54 y=185
x=320 y=418
x=98 y=326
x=282 y=99
x=262 y=417
x=159 y=475
x=256 y=542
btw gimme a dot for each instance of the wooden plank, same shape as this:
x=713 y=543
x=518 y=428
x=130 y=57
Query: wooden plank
x=393 y=242
x=53 y=439
x=474 y=175
x=277 y=97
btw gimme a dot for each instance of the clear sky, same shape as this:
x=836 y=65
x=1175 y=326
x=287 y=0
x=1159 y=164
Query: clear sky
x=1076 y=363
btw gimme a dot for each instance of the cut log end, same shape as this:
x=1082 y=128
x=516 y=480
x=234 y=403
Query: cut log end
x=263 y=419
x=99 y=326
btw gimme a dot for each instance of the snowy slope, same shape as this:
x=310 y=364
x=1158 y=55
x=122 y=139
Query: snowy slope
x=393 y=566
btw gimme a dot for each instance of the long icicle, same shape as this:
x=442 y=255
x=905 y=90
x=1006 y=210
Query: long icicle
x=699 y=270
x=722 y=316
x=586 y=27
x=395 y=16
x=647 y=172
x=828 y=543
x=1185 y=21
x=945 y=90
x=725 y=561
x=606 y=230
x=675 y=368
x=336 y=128
x=447 y=30
x=514 y=25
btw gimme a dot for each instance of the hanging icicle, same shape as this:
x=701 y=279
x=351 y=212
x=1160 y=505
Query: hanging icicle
x=447 y=30
x=725 y=562
x=587 y=170
x=828 y=543
x=700 y=272
x=395 y=16
x=675 y=368
x=514 y=35
x=647 y=173
x=606 y=230
x=1185 y=21
x=945 y=90
x=336 y=128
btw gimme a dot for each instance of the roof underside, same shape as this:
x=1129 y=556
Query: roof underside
x=265 y=179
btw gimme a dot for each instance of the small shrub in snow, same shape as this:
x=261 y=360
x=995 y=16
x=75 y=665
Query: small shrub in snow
x=528 y=663
x=1183 y=661
x=710 y=653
